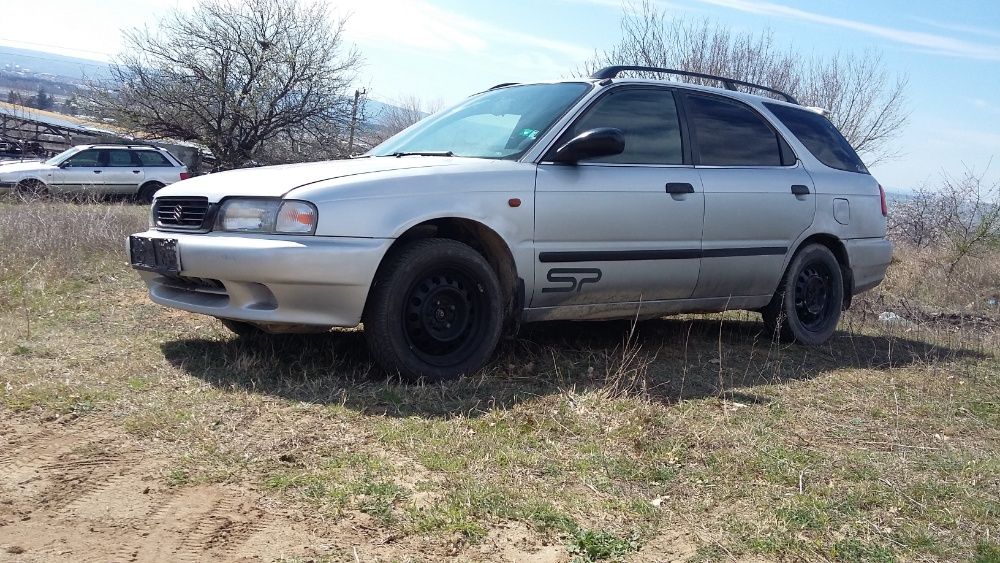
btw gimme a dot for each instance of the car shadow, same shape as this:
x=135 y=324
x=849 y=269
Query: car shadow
x=667 y=360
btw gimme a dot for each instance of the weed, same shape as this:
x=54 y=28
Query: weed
x=590 y=545
x=987 y=552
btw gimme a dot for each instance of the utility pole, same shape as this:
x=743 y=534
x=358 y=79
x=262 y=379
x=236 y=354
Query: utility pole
x=354 y=120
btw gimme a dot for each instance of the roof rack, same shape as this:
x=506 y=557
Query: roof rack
x=503 y=85
x=729 y=83
x=124 y=144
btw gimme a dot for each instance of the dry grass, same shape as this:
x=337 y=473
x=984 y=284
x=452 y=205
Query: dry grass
x=691 y=437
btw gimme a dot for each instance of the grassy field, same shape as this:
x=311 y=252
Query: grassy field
x=136 y=432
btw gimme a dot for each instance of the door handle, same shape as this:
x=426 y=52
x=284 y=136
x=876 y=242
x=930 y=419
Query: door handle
x=799 y=189
x=97 y=171
x=679 y=188
x=135 y=171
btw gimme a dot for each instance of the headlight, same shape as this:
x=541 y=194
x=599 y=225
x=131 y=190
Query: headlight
x=267 y=216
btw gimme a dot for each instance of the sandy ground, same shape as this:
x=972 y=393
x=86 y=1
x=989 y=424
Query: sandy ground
x=77 y=491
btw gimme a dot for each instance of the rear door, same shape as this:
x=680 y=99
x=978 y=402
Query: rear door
x=123 y=174
x=609 y=230
x=758 y=197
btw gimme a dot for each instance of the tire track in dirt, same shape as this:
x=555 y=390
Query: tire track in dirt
x=23 y=472
x=194 y=523
x=83 y=492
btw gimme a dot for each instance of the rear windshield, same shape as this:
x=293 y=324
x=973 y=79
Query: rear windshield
x=820 y=137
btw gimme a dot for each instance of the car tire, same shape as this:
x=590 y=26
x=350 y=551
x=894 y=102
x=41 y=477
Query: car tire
x=31 y=190
x=148 y=191
x=435 y=311
x=806 y=307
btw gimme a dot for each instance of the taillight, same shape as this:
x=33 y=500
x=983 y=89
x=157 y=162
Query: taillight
x=186 y=175
x=885 y=206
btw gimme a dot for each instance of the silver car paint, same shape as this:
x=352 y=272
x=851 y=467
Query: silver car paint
x=379 y=199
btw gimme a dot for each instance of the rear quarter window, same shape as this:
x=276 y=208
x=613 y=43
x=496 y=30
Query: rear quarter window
x=153 y=158
x=820 y=136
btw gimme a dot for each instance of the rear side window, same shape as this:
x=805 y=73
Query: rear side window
x=647 y=118
x=820 y=137
x=731 y=134
x=120 y=158
x=153 y=158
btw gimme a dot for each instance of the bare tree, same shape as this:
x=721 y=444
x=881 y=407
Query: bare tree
x=236 y=75
x=971 y=214
x=918 y=219
x=867 y=102
x=399 y=115
x=962 y=215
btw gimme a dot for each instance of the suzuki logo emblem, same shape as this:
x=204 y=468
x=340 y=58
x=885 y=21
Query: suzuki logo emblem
x=178 y=213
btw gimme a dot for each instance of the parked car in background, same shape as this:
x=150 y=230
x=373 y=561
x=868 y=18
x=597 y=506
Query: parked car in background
x=583 y=199
x=139 y=170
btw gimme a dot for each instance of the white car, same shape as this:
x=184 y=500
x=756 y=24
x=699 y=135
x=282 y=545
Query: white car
x=583 y=199
x=139 y=170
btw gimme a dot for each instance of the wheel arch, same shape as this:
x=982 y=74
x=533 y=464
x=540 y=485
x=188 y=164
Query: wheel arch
x=30 y=179
x=484 y=240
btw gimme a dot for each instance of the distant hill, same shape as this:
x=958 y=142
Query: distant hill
x=75 y=69
x=41 y=62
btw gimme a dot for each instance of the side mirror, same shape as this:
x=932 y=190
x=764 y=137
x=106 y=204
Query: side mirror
x=64 y=164
x=603 y=141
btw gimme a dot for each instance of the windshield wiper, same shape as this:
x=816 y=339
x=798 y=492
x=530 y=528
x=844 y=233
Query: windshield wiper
x=423 y=153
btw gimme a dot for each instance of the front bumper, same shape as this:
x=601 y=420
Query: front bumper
x=4 y=185
x=869 y=259
x=269 y=279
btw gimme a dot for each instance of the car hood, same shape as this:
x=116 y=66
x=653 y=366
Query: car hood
x=6 y=167
x=276 y=181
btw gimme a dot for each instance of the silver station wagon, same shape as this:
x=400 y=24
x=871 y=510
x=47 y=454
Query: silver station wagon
x=138 y=170
x=587 y=199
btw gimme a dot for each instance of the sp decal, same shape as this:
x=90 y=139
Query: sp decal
x=572 y=279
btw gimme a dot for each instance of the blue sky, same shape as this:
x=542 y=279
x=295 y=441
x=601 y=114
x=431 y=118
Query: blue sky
x=443 y=50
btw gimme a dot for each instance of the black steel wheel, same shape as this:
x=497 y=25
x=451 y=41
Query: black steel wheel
x=434 y=312
x=806 y=307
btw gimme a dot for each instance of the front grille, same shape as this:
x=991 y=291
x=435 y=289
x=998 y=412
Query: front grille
x=182 y=213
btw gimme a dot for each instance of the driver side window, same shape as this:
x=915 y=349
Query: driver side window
x=648 y=119
x=90 y=158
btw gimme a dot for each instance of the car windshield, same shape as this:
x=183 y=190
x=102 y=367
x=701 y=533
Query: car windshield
x=59 y=158
x=500 y=124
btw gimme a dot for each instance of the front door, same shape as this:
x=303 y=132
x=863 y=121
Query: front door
x=81 y=172
x=623 y=228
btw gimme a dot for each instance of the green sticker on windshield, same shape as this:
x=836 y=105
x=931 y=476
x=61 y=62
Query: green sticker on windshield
x=529 y=133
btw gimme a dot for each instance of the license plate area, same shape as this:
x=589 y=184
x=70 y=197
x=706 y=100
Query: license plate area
x=154 y=254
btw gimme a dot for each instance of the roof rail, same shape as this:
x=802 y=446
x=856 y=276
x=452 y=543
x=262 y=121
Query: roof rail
x=729 y=83
x=124 y=144
x=503 y=85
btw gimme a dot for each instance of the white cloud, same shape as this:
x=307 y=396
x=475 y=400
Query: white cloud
x=929 y=42
x=419 y=24
x=967 y=29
